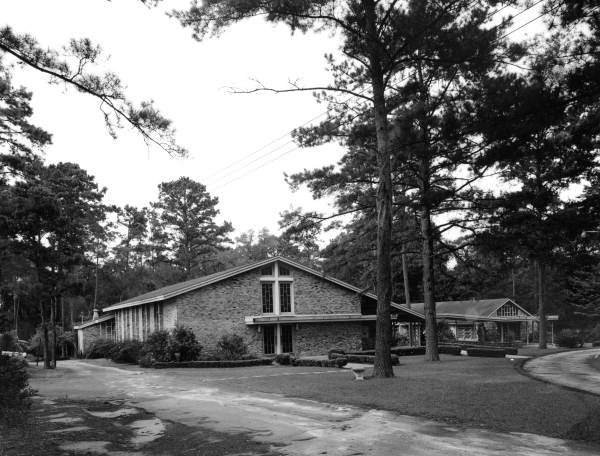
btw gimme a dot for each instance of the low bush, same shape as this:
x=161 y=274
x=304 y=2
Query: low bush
x=100 y=348
x=157 y=346
x=398 y=351
x=183 y=341
x=14 y=389
x=335 y=362
x=284 y=359
x=126 y=352
x=364 y=359
x=232 y=346
x=488 y=352
x=337 y=351
x=569 y=338
x=146 y=360
x=222 y=363
x=594 y=334
x=408 y=351
x=450 y=350
x=596 y=343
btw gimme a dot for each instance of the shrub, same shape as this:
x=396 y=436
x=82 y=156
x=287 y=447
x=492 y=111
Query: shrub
x=158 y=346
x=364 y=359
x=14 y=389
x=146 y=360
x=100 y=348
x=408 y=351
x=221 y=363
x=450 y=349
x=596 y=343
x=569 y=338
x=232 y=346
x=336 y=362
x=284 y=359
x=487 y=352
x=183 y=341
x=593 y=334
x=126 y=352
x=444 y=332
x=337 y=351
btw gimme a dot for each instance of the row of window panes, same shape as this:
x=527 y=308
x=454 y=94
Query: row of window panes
x=134 y=318
x=285 y=297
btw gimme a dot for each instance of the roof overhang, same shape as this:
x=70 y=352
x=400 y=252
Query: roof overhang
x=95 y=322
x=313 y=318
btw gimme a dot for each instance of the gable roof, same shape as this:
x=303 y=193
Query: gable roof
x=177 y=289
x=485 y=308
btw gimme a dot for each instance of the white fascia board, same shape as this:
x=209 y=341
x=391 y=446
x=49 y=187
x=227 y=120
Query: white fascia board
x=94 y=322
x=312 y=318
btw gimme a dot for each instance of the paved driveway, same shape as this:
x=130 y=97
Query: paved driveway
x=293 y=426
x=571 y=369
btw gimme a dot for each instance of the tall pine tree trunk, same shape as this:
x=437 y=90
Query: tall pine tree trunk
x=53 y=329
x=431 y=342
x=45 y=341
x=383 y=328
x=542 y=326
x=407 y=301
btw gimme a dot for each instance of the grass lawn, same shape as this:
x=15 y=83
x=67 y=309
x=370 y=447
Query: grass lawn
x=486 y=392
x=595 y=363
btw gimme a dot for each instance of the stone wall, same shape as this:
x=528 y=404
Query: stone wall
x=317 y=338
x=220 y=309
x=90 y=334
x=313 y=295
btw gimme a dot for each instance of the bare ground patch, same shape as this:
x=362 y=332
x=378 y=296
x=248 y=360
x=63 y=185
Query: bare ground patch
x=70 y=427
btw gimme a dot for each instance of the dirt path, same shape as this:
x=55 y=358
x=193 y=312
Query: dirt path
x=291 y=426
x=571 y=369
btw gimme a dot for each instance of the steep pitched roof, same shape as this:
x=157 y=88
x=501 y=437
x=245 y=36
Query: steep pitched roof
x=184 y=287
x=474 y=307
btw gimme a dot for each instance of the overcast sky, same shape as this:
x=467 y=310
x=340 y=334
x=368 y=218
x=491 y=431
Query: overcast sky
x=157 y=59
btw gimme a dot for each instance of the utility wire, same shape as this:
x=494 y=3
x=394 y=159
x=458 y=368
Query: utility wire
x=209 y=180
x=331 y=131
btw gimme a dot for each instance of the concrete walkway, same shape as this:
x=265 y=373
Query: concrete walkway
x=570 y=369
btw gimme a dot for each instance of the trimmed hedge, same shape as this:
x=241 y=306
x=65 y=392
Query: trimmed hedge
x=450 y=350
x=223 y=363
x=489 y=352
x=398 y=351
x=340 y=361
x=408 y=351
x=364 y=359
x=569 y=338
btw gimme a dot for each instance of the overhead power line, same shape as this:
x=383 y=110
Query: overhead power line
x=326 y=112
